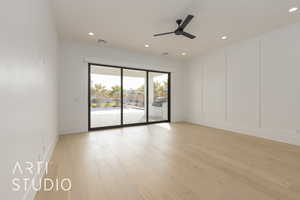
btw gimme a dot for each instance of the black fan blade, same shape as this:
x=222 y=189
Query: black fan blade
x=163 y=34
x=188 y=35
x=186 y=21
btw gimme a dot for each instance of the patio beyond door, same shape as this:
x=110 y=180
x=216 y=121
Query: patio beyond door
x=122 y=96
x=105 y=96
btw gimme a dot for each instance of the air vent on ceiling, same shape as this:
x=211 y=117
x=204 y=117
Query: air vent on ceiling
x=101 y=41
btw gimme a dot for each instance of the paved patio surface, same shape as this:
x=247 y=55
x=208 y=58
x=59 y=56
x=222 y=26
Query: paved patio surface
x=111 y=117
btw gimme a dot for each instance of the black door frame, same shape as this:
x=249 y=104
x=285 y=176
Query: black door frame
x=147 y=97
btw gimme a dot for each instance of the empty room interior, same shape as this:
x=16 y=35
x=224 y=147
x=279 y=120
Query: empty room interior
x=150 y=100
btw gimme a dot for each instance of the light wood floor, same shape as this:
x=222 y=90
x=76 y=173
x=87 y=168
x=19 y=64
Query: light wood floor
x=174 y=162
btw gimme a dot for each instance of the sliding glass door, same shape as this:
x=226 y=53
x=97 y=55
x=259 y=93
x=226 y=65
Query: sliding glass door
x=134 y=96
x=158 y=96
x=105 y=96
x=122 y=96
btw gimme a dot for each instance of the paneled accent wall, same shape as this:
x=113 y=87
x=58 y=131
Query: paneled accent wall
x=252 y=87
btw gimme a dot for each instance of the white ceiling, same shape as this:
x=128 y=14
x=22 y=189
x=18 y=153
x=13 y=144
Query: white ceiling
x=130 y=24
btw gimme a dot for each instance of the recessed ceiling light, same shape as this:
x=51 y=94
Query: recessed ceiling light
x=91 y=33
x=183 y=53
x=293 y=9
x=146 y=45
x=224 y=37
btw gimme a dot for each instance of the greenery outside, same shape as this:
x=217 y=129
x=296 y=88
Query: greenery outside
x=109 y=98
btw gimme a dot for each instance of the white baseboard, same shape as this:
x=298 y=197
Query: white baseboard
x=30 y=193
x=73 y=131
x=285 y=136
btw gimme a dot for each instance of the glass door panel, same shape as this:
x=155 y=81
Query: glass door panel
x=158 y=85
x=105 y=96
x=134 y=96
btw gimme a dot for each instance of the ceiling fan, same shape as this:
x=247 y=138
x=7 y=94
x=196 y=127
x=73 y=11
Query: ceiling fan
x=180 y=28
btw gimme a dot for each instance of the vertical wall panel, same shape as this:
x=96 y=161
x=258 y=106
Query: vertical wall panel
x=281 y=79
x=243 y=84
x=194 y=99
x=214 y=87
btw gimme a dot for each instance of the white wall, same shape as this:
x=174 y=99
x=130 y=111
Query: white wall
x=28 y=108
x=73 y=80
x=252 y=87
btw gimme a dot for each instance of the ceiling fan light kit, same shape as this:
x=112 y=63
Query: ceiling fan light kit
x=180 y=29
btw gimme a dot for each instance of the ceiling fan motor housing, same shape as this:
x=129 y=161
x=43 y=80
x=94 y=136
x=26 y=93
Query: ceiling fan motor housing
x=178 y=32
